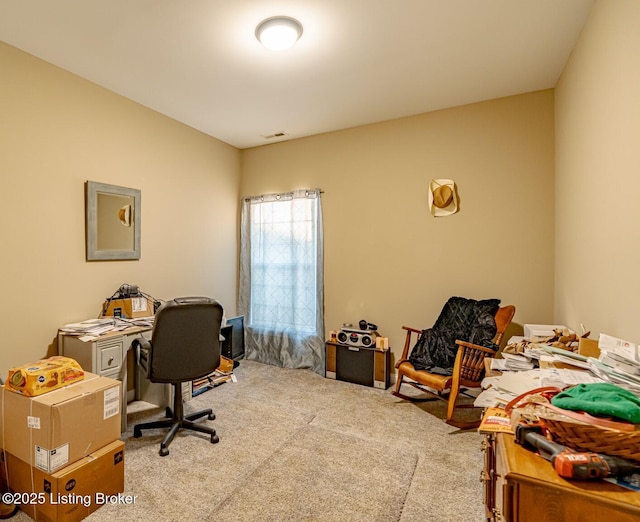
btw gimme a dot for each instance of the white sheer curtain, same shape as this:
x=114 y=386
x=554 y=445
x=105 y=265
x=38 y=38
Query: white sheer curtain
x=281 y=279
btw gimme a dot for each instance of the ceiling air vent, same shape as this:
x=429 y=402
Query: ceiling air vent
x=279 y=134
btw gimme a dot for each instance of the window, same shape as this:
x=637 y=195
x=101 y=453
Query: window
x=281 y=278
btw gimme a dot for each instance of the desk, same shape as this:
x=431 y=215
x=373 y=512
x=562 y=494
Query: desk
x=107 y=356
x=520 y=486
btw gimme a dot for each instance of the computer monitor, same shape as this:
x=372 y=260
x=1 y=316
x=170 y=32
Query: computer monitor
x=233 y=332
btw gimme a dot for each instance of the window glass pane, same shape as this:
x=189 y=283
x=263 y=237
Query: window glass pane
x=283 y=264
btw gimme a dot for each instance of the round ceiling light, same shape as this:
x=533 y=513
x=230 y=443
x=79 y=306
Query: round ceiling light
x=279 y=32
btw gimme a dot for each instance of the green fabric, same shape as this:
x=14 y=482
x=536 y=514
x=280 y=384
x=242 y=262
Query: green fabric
x=601 y=400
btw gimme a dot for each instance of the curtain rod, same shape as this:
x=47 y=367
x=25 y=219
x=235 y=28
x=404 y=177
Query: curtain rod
x=278 y=194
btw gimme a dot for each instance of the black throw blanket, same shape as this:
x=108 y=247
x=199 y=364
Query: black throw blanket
x=460 y=319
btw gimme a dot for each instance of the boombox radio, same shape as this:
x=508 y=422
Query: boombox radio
x=353 y=337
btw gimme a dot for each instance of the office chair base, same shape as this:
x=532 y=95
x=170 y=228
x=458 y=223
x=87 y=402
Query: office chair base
x=175 y=424
x=192 y=416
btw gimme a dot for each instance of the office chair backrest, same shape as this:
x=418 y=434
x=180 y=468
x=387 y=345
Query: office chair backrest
x=185 y=339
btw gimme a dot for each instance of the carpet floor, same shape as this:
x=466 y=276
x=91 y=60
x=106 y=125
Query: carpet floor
x=295 y=446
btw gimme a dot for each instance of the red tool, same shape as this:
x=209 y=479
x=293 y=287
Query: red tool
x=572 y=464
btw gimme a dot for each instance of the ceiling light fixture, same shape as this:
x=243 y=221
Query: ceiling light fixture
x=278 y=32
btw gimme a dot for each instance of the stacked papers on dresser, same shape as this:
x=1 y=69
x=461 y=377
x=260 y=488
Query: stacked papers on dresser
x=501 y=389
x=619 y=363
x=558 y=367
x=512 y=362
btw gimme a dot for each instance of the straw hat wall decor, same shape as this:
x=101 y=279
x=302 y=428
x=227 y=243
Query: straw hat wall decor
x=443 y=200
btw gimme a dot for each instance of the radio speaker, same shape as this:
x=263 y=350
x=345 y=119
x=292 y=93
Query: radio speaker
x=353 y=337
x=358 y=364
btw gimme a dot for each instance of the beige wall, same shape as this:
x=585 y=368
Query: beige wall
x=598 y=175
x=56 y=132
x=387 y=259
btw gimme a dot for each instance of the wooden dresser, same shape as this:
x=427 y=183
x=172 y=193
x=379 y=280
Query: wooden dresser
x=520 y=486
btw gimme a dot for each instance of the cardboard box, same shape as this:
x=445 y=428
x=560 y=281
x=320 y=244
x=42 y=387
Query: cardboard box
x=130 y=308
x=588 y=348
x=55 y=429
x=44 y=375
x=73 y=492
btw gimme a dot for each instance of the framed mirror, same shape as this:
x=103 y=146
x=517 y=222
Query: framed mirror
x=112 y=222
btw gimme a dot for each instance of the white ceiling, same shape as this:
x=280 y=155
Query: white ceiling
x=358 y=61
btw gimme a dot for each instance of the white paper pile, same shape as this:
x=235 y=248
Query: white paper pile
x=619 y=363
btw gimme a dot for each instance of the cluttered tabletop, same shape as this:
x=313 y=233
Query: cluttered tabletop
x=573 y=400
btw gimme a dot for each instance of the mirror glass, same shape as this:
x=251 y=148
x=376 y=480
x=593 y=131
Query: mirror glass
x=113 y=222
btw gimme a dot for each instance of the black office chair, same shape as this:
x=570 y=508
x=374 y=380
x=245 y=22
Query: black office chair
x=185 y=345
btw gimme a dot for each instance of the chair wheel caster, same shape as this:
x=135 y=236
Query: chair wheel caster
x=164 y=451
x=212 y=416
x=168 y=413
x=215 y=439
x=137 y=433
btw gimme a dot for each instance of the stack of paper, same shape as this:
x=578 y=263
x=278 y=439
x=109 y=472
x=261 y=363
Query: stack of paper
x=619 y=362
x=620 y=355
x=565 y=356
x=534 y=351
x=93 y=327
x=517 y=362
x=138 y=321
x=499 y=390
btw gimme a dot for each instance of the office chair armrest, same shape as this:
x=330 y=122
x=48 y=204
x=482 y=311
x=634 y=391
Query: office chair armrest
x=142 y=349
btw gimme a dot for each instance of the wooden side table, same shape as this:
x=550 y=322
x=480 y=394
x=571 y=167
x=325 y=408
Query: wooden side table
x=521 y=486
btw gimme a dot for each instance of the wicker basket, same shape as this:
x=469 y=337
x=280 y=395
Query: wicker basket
x=588 y=437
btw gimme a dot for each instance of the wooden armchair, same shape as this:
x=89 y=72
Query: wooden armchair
x=468 y=370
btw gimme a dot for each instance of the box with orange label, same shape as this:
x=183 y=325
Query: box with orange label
x=44 y=376
x=71 y=493
x=55 y=429
x=130 y=308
